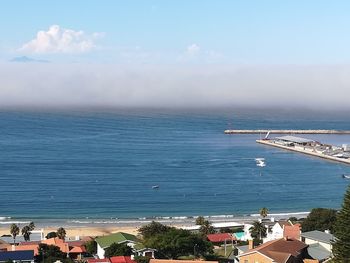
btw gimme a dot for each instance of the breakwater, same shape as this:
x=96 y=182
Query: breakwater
x=339 y=132
x=304 y=151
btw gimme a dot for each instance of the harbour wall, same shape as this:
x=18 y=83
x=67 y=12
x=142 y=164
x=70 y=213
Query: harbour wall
x=327 y=157
x=287 y=131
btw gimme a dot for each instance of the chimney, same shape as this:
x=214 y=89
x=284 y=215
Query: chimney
x=13 y=248
x=250 y=244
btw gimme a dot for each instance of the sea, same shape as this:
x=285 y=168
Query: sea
x=124 y=165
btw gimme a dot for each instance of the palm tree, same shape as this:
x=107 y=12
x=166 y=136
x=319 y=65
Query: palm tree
x=26 y=233
x=200 y=220
x=263 y=212
x=257 y=230
x=31 y=226
x=14 y=230
x=61 y=233
x=206 y=228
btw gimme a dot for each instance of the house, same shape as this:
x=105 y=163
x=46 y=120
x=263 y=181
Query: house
x=118 y=238
x=121 y=259
x=25 y=256
x=4 y=246
x=283 y=229
x=116 y=259
x=179 y=261
x=320 y=244
x=283 y=250
x=220 y=238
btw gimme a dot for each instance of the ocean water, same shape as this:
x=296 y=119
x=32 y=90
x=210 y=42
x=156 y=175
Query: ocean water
x=102 y=165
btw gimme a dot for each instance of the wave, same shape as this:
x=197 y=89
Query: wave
x=14 y=222
x=5 y=218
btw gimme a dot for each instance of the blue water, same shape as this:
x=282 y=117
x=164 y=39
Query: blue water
x=103 y=164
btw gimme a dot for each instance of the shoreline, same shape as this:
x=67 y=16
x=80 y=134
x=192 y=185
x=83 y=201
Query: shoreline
x=99 y=227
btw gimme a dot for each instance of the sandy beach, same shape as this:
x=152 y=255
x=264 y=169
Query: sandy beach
x=73 y=232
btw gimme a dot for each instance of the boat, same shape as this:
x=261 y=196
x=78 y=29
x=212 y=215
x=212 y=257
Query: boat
x=346 y=176
x=260 y=162
x=155 y=186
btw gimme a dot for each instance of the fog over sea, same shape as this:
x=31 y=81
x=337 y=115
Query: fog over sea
x=94 y=166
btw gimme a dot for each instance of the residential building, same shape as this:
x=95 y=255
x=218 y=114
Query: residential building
x=283 y=250
x=320 y=244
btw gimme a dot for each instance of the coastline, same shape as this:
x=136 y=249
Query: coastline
x=100 y=227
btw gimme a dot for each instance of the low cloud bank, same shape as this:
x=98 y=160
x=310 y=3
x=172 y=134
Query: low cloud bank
x=75 y=85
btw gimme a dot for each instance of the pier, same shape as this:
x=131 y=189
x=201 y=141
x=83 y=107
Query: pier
x=339 y=132
x=314 y=149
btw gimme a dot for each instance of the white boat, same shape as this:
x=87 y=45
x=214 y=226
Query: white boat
x=260 y=162
x=346 y=176
x=155 y=186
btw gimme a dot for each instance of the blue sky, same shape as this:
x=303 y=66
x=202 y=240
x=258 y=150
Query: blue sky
x=237 y=32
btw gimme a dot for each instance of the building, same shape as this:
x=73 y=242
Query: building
x=283 y=228
x=283 y=250
x=220 y=238
x=320 y=244
x=179 y=261
x=26 y=256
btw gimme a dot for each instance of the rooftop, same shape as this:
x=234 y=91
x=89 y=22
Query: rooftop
x=280 y=250
x=294 y=139
x=120 y=237
x=220 y=237
x=17 y=255
x=318 y=236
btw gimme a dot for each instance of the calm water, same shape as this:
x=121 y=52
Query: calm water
x=104 y=164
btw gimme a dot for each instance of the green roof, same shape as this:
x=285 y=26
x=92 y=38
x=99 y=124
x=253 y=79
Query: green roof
x=119 y=237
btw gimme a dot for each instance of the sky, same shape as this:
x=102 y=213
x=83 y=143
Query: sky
x=175 y=53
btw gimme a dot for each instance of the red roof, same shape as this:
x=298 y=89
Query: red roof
x=220 y=237
x=292 y=231
x=121 y=259
x=96 y=260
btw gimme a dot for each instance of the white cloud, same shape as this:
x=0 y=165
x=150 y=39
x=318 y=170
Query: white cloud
x=61 y=40
x=193 y=49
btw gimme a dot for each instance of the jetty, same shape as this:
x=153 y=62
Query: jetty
x=310 y=147
x=339 y=132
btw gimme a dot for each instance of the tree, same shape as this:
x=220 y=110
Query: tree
x=51 y=253
x=178 y=242
x=26 y=233
x=319 y=219
x=141 y=259
x=263 y=212
x=61 y=233
x=152 y=229
x=51 y=235
x=258 y=230
x=14 y=230
x=31 y=226
x=91 y=247
x=118 y=250
x=206 y=228
x=200 y=220
x=341 y=245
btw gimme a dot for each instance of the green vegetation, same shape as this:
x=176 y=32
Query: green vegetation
x=14 y=230
x=263 y=212
x=172 y=243
x=152 y=229
x=27 y=230
x=118 y=250
x=51 y=235
x=61 y=233
x=51 y=253
x=319 y=219
x=200 y=220
x=140 y=259
x=258 y=230
x=91 y=247
x=341 y=246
